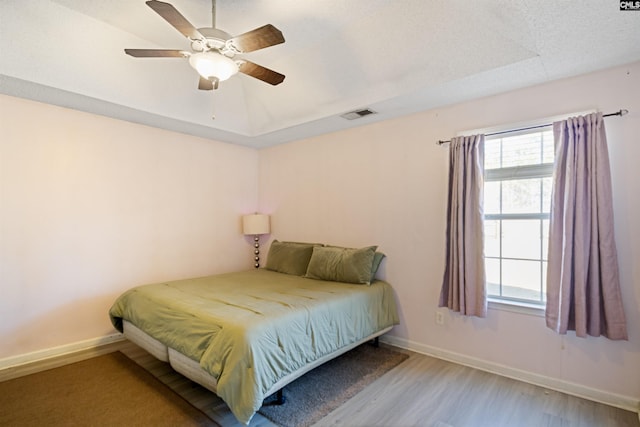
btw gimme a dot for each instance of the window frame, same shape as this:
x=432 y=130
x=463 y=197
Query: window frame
x=533 y=171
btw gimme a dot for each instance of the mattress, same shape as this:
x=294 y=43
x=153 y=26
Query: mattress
x=192 y=370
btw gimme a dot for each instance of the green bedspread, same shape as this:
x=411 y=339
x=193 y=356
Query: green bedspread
x=251 y=328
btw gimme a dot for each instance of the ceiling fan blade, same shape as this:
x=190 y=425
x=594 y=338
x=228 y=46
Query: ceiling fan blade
x=205 y=84
x=261 y=73
x=173 y=17
x=259 y=38
x=156 y=53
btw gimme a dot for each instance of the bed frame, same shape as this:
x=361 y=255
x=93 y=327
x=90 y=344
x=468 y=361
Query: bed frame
x=192 y=370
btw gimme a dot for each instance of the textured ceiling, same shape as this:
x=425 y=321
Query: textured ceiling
x=393 y=56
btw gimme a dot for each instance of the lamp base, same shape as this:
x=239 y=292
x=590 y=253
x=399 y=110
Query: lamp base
x=256 y=251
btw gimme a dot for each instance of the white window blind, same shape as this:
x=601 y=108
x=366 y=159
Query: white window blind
x=517 y=198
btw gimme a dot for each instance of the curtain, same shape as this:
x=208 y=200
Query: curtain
x=463 y=285
x=583 y=287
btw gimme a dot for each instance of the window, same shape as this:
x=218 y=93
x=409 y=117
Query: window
x=517 y=198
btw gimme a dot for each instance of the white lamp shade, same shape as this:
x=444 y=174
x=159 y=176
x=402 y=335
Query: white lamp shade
x=255 y=224
x=213 y=64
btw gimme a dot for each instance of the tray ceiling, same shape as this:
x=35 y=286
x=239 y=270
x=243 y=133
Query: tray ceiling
x=393 y=57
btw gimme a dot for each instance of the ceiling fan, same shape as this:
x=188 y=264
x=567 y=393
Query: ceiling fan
x=213 y=51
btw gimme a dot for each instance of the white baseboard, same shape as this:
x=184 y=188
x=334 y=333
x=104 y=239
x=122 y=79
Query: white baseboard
x=608 y=398
x=619 y=401
x=36 y=356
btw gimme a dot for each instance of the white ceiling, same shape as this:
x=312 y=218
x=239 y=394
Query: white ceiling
x=393 y=56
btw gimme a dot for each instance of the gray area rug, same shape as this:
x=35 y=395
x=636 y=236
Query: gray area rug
x=320 y=391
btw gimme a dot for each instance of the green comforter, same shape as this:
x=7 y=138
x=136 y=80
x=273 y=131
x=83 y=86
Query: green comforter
x=249 y=329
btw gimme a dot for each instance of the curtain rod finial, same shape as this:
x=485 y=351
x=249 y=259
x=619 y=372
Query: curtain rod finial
x=624 y=111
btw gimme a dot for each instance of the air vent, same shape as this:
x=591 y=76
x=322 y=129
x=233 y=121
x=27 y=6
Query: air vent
x=357 y=114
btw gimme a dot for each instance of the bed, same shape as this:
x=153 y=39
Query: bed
x=245 y=335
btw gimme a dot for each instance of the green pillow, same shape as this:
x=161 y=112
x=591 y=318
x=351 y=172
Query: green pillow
x=289 y=257
x=341 y=264
x=377 y=259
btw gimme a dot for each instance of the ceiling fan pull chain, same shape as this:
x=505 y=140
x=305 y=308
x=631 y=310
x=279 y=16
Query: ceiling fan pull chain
x=213 y=105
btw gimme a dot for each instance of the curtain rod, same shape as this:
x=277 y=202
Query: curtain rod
x=617 y=113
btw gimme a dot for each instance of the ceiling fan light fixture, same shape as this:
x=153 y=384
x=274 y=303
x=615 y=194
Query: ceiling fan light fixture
x=213 y=65
x=212 y=50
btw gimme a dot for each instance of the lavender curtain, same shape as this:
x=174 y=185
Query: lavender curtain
x=583 y=288
x=463 y=285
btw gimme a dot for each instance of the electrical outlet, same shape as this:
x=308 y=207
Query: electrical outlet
x=439 y=318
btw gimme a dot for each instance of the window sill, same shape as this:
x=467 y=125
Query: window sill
x=516 y=307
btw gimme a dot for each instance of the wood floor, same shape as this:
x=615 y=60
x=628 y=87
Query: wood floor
x=422 y=391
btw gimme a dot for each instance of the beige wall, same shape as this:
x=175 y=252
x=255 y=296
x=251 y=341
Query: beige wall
x=386 y=184
x=90 y=206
